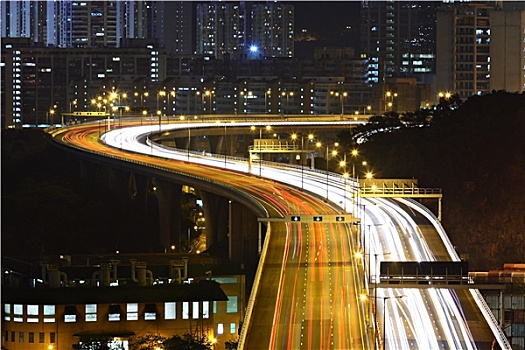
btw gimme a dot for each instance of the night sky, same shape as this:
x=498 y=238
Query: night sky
x=327 y=22
x=326 y=17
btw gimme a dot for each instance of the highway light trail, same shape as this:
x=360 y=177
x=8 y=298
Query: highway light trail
x=415 y=319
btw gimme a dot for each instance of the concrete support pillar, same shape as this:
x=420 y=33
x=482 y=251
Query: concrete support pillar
x=216 y=144
x=168 y=198
x=243 y=234
x=216 y=213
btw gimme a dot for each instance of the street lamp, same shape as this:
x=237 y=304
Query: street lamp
x=345 y=176
x=208 y=94
x=144 y=114
x=197 y=93
x=341 y=96
x=268 y=128
x=376 y=278
x=245 y=104
x=333 y=153
x=266 y=94
x=136 y=94
x=389 y=100
x=384 y=315
x=294 y=137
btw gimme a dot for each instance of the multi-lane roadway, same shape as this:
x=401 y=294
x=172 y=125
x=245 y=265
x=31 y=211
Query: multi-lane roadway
x=316 y=287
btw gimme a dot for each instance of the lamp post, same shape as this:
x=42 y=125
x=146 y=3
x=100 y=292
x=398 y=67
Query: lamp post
x=159 y=113
x=341 y=96
x=384 y=315
x=268 y=128
x=375 y=293
x=345 y=176
x=334 y=153
x=266 y=94
x=245 y=96
x=287 y=95
x=160 y=93
x=209 y=94
x=144 y=114
x=197 y=93
x=170 y=110
x=294 y=138
x=389 y=100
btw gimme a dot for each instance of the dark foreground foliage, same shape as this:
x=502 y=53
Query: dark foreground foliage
x=476 y=154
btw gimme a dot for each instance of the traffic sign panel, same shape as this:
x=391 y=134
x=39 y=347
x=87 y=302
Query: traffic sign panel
x=318 y=218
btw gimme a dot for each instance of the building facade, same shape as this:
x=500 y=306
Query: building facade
x=221 y=29
x=480 y=48
x=507 y=305
x=272 y=30
x=116 y=300
x=398 y=38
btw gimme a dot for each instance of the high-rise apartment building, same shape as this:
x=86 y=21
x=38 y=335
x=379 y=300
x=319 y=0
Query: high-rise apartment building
x=245 y=31
x=398 y=38
x=178 y=27
x=480 y=47
x=507 y=48
x=272 y=30
x=29 y=19
x=221 y=29
x=95 y=24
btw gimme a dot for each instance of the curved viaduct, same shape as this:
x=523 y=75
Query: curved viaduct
x=231 y=215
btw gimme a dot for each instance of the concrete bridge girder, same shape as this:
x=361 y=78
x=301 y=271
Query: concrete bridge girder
x=231 y=217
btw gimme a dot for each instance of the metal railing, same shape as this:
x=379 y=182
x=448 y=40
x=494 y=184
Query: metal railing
x=399 y=191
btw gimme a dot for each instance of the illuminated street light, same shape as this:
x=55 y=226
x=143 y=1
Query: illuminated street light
x=268 y=128
x=389 y=100
x=266 y=94
x=209 y=94
x=333 y=153
x=342 y=96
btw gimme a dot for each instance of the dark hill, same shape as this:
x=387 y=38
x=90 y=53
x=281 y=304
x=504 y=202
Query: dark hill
x=476 y=154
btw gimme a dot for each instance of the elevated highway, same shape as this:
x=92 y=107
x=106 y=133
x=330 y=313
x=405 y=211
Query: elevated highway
x=294 y=306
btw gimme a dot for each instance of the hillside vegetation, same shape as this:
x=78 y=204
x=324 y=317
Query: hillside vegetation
x=476 y=154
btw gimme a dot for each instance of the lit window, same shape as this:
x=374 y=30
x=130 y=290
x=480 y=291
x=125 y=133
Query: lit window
x=18 y=313
x=205 y=309
x=150 y=312
x=7 y=312
x=70 y=314
x=231 y=306
x=91 y=312
x=114 y=313
x=195 y=310
x=170 y=311
x=132 y=311
x=233 y=326
x=32 y=313
x=49 y=313
x=220 y=329
x=185 y=310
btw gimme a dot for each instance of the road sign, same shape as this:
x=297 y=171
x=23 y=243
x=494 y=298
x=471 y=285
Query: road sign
x=295 y=218
x=318 y=218
x=339 y=218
